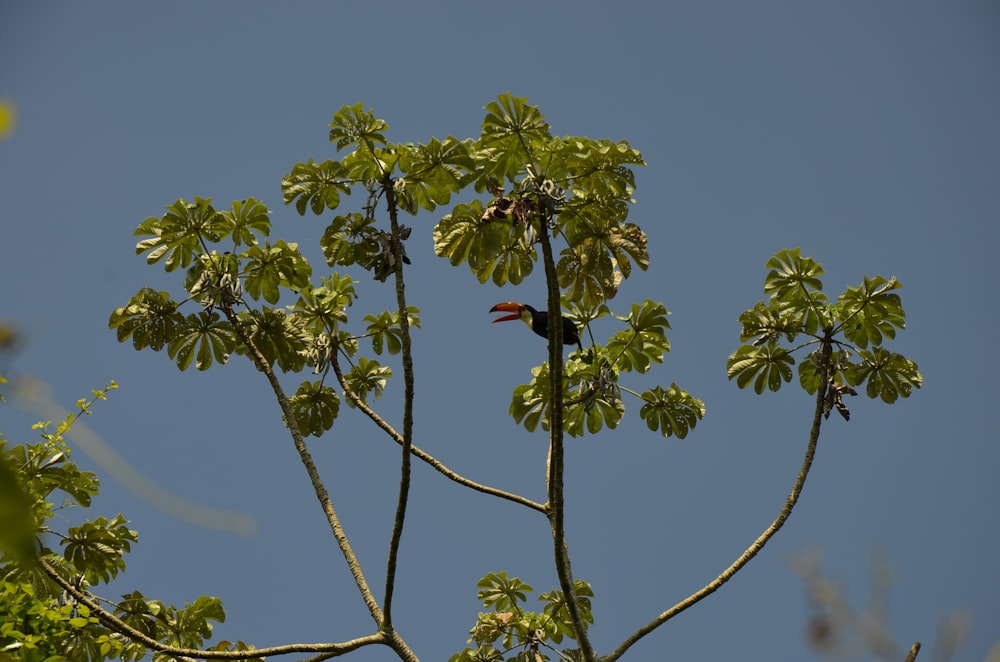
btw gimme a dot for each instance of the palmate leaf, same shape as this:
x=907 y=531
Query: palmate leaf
x=529 y=403
x=368 y=377
x=673 y=411
x=191 y=625
x=385 y=331
x=435 y=170
x=315 y=407
x=501 y=593
x=888 y=375
x=792 y=277
x=492 y=248
x=766 y=366
x=510 y=128
x=202 y=338
x=770 y=321
x=556 y=611
x=871 y=311
x=280 y=336
x=179 y=234
x=246 y=218
x=315 y=186
x=271 y=267
x=592 y=416
x=588 y=274
x=353 y=125
x=349 y=239
x=96 y=548
x=603 y=167
x=321 y=309
x=645 y=342
x=150 y=319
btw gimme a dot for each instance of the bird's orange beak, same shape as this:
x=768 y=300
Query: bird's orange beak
x=507 y=307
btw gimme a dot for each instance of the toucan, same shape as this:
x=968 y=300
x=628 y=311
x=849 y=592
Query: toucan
x=538 y=321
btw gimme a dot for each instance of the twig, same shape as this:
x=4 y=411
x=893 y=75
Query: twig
x=420 y=454
x=761 y=540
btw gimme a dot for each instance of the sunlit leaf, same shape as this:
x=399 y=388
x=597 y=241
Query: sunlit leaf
x=871 y=311
x=672 y=411
x=766 y=366
x=150 y=319
x=887 y=375
x=315 y=407
x=315 y=186
x=203 y=337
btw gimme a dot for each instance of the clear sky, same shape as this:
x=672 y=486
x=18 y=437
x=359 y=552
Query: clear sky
x=864 y=132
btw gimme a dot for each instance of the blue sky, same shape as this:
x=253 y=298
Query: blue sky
x=866 y=133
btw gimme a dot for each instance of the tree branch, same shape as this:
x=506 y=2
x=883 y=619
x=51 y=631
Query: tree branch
x=914 y=649
x=396 y=249
x=320 y=489
x=554 y=478
x=114 y=623
x=420 y=454
x=761 y=540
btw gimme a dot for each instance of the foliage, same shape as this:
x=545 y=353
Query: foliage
x=517 y=630
x=846 y=336
x=531 y=196
x=39 y=618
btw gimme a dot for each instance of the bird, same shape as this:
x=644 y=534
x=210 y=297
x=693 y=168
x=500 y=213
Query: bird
x=537 y=321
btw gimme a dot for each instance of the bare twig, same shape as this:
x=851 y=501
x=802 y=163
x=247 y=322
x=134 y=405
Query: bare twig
x=914 y=649
x=420 y=454
x=761 y=540
x=305 y=456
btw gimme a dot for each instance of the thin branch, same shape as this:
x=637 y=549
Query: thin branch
x=914 y=649
x=306 y=458
x=420 y=454
x=114 y=623
x=396 y=250
x=761 y=540
x=554 y=478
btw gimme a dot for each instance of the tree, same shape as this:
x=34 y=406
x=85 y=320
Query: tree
x=530 y=190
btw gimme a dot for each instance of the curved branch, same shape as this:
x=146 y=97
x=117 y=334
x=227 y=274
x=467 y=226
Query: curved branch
x=420 y=454
x=319 y=488
x=761 y=540
x=114 y=623
x=554 y=478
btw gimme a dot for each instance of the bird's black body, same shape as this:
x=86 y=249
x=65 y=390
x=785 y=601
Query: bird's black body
x=538 y=321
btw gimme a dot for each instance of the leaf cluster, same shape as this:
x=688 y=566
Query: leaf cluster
x=592 y=393
x=39 y=620
x=519 y=633
x=845 y=336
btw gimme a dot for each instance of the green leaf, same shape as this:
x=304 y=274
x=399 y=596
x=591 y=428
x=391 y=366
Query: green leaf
x=556 y=610
x=492 y=248
x=349 y=239
x=501 y=593
x=510 y=127
x=281 y=337
x=200 y=339
x=315 y=407
x=323 y=308
x=246 y=218
x=96 y=548
x=181 y=233
x=870 y=312
x=645 y=342
x=150 y=319
x=368 y=377
x=271 y=267
x=766 y=366
x=353 y=125
x=888 y=375
x=384 y=329
x=673 y=411
x=434 y=171
x=792 y=277
x=316 y=186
